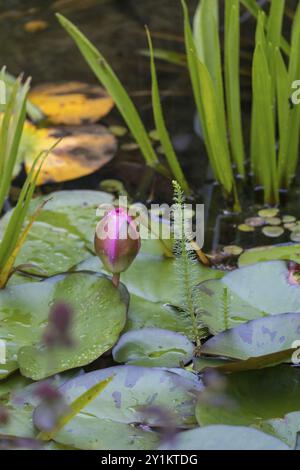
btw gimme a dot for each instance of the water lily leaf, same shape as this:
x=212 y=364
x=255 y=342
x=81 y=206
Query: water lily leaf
x=248 y=293
x=82 y=151
x=256 y=338
x=75 y=408
x=154 y=304
x=224 y=438
x=285 y=429
x=268 y=253
x=71 y=103
x=63 y=234
x=253 y=398
x=106 y=422
x=153 y=347
x=99 y=317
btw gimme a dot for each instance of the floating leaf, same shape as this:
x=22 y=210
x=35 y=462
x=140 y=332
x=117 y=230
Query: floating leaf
x=287 y=219
x=246 y=294
x=82 y=151
x=63 y=235
x=106 y=422
x=233 y=250
x=256 y=338
x=275 y=221
x=254 y=398
x=270 y=253
x=273 y=232
x=224 y=438
x=290 y=226
x=153 y=347
x=265 y=213
x=72 y=103
x=295 y=235
x=154 y=304
x=245 y=228
x=255 y=221
x=99 y=317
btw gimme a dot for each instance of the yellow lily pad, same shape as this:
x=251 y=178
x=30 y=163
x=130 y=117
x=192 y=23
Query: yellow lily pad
x=72 y=103
x=83 y=150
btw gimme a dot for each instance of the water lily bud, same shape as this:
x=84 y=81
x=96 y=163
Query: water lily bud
x=117 y=240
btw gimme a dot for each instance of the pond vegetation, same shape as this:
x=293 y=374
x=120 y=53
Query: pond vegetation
x=153 y=342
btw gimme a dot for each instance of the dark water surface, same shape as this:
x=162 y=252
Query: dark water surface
x=116 y=27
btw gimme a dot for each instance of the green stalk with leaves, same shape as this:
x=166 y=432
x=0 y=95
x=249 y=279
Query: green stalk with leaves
x=186 y=260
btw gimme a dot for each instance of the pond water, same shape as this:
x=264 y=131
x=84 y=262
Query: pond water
x=116 y=27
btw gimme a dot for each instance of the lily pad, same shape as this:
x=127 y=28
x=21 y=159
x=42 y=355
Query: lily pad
x=99 y=317
x=253 y=398
x=265 y=213
x=72 y=102
x=224 y=438
x=256 y=338
x=153 y=347
x=106 y=423
x=82 y=151
x=246 y=228
x=233 y=250
x=273 y=232
x=246 y=294
x=289 y=252
x=63 y=235
x=154 y=304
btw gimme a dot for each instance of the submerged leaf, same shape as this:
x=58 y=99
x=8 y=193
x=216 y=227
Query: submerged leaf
x=72 y=103
x=82 y=151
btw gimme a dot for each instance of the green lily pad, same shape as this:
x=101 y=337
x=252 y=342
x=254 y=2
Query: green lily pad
x=153 y=347
x=256 y=338
x=246 y=294
x=287 y=252
x=275 y=221
x=265 y=213
x=63 y=234
x=273 y=232
x=295 y=235
x=246 y=228
x=99 y=317
x=224 y=438
x=254 y=398
x=232 y=250
x=106 y=423
x=288 y=219
x=154 y=304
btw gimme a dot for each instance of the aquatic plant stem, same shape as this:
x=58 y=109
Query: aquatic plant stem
x=116 y=279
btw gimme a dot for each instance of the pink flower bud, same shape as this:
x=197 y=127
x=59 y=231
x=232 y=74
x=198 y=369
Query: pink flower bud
x=117 y=240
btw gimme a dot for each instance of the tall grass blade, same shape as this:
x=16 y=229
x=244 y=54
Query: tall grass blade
x=110 y=81
x=13 y=232
x=274 y=28
x=265 y=144
x=232 y=83
x=10 y=135
x=294 y=113
x=255 y=9
x=207 y=42
x=161 y=126
x=207 y=104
